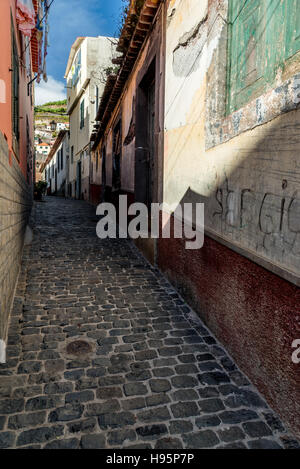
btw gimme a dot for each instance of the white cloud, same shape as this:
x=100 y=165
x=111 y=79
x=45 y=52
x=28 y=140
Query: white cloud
x=53 y=90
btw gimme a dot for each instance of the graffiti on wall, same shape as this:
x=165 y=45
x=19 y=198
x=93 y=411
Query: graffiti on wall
x=263 y=221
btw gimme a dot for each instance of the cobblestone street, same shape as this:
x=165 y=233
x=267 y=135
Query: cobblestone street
x=103 y=353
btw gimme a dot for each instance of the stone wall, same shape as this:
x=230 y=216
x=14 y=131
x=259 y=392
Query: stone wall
x=15 y=207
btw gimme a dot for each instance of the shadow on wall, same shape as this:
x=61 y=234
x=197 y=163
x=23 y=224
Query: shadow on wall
x=255 y=203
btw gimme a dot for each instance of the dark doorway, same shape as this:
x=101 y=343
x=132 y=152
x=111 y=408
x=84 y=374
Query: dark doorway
x=55 y=181
x=151 y=139
x=145 y=138
x=78 y=185
x=103 y=168
x=117 y=152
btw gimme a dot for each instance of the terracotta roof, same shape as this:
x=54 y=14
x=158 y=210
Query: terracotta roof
x=133 y=36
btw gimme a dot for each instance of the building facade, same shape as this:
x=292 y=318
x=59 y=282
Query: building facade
x=205 y=109
x=19 y=61
x=85 y=75
x=128 y=145
x=43 y=148
x=55 y=170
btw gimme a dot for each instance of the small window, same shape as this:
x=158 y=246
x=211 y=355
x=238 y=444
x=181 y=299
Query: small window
x=76 y=69
x=72 y=155
x=82 y=114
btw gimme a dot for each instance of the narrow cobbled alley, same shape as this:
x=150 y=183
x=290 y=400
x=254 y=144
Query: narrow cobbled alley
x=103 y=353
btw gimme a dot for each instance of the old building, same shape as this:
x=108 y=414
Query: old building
x=50 y=118
x=128 y=146
x=20 y=60
x=55 y=170
x=43 y=148
x=204 y=109
x=85 y=74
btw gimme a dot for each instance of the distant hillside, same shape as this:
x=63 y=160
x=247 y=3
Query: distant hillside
x=55 y=107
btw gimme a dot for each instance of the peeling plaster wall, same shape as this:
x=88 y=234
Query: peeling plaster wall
x=184 y=63
x=250 y=183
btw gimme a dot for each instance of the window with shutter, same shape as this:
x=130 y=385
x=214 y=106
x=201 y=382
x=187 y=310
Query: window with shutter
x=263 y=34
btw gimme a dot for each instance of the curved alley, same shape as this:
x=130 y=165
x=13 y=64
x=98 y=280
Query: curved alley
x=103 y=353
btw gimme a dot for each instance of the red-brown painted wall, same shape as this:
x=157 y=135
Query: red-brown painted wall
x=254 y=313
x=95 y=194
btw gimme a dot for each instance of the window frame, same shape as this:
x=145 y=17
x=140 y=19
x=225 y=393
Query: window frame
x=280 y=96
x=269 y=57
x=82 y=119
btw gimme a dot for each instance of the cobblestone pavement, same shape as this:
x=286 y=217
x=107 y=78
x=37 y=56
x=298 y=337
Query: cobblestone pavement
x=148 y=374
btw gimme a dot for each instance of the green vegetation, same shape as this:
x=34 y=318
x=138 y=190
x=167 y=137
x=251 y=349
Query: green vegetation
x=54 y=107
x=60 y=110
x=56 y=103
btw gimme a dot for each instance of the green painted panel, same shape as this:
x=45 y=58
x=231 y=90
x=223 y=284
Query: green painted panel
x=247 y=33
x=263 y=33
x=293 y=28
x=275 y=38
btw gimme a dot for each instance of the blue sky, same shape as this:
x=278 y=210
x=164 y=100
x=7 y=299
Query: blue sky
x=69 y=19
